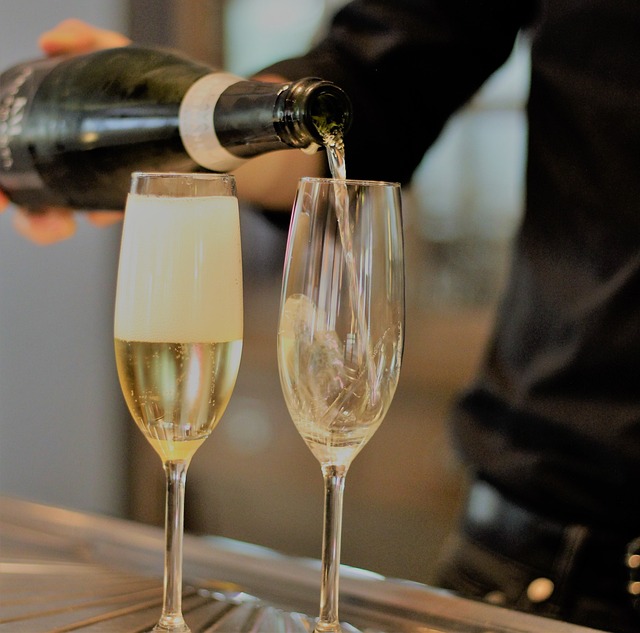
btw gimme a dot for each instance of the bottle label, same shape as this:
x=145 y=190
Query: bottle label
x=197 y=125
x=18 y=174
x=12 y=109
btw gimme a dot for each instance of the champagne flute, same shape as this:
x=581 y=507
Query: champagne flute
x=178 y=330
x=340 y=335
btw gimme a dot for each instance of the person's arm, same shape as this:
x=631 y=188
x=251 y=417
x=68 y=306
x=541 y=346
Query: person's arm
x=407 y=65
x=270 y=181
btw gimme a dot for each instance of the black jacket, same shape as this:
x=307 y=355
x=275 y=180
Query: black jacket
x=554 y=416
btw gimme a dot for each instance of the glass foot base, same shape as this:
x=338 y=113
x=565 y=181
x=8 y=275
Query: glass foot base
x=171 y=626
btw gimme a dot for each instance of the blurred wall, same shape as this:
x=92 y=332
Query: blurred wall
x=61 y=428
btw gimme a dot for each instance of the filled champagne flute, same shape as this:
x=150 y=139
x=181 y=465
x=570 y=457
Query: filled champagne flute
x=340 y=335
x=178 y=330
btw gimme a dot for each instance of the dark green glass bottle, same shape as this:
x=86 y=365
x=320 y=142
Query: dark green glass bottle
x=72 y=130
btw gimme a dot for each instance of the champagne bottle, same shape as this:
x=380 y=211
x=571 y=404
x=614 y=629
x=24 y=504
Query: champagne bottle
x=72 y=130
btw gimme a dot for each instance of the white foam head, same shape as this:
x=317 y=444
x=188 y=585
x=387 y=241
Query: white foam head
x=180 y=271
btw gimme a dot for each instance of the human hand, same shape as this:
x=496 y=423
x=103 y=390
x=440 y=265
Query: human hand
x=54 y=224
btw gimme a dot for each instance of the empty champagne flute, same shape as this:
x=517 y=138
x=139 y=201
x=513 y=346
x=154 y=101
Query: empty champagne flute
x=340 y=335
x=178 y=330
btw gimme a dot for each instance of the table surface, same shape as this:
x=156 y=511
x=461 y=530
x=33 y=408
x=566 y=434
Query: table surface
x=63 y=570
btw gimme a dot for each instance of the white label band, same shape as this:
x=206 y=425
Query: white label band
x=196 y=123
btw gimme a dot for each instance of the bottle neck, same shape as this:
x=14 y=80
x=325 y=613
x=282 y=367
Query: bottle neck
x=311 y=110
x=225 y=120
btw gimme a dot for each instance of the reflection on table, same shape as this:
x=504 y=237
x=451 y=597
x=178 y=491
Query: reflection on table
x=63 y=570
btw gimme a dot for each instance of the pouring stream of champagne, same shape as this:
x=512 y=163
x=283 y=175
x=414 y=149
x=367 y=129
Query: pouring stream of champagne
x=334 y=144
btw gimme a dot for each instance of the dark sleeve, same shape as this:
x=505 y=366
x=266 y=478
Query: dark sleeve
x=407 y=65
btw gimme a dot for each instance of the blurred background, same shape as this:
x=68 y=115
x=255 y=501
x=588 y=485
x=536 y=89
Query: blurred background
x=65 y=435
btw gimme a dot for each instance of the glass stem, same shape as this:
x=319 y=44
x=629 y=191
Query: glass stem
x=334 y=479
x=171 y=618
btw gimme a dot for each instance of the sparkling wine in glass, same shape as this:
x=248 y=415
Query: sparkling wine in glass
x=340 y=335
x=178 y=330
